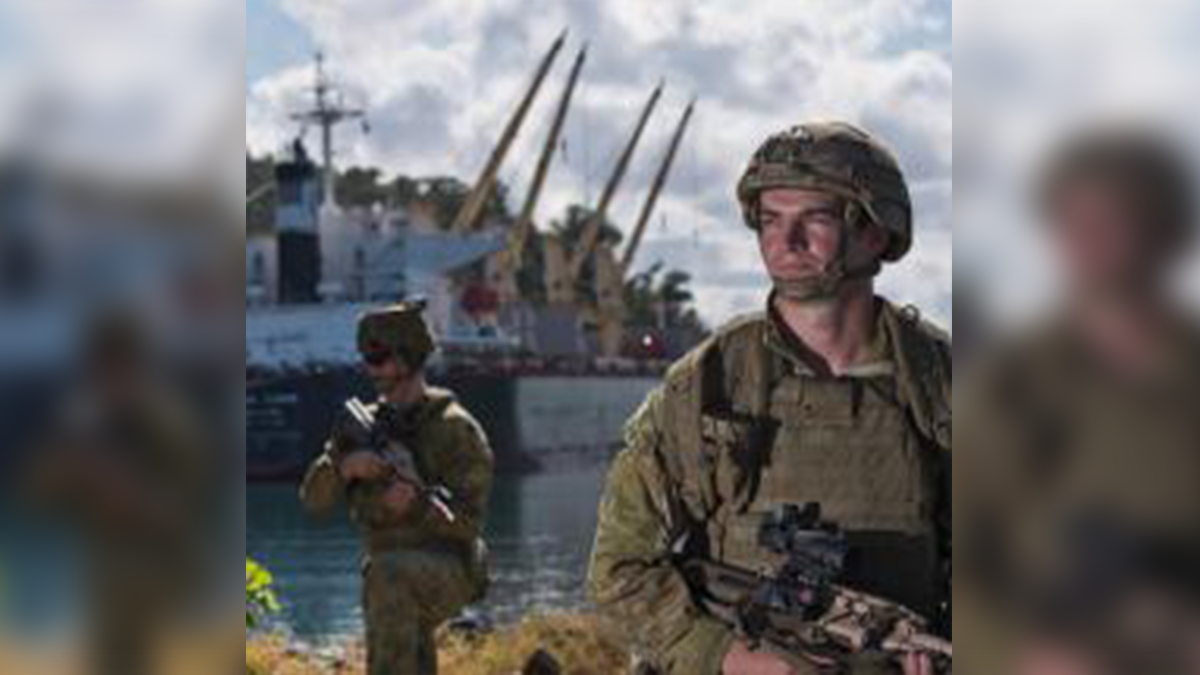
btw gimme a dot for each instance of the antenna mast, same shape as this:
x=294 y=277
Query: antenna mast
x=327 y=114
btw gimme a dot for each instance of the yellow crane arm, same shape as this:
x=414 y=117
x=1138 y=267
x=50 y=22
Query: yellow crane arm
x=591 y=232
x=469 y=215
x=660 y=181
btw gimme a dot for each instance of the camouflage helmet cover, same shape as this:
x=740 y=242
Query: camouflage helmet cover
x=398 y=329
x=838 y=158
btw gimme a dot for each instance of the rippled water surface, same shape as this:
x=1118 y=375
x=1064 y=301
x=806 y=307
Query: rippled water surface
x=540 y=531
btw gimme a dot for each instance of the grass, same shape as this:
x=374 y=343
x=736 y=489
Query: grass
x=576 y=641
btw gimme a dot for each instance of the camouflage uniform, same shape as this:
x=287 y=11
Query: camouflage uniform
x=741 y=426
x=420 y=569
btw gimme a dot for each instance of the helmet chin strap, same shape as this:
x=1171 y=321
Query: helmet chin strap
x=826 y=285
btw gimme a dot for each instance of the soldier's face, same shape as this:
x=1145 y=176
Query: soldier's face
x=391 y=376
x=800 y=232
x=801 y=238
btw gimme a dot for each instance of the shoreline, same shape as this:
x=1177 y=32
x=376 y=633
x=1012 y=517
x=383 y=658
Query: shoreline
x=574 y=641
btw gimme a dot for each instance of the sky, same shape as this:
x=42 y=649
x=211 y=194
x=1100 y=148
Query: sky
x=440 y=78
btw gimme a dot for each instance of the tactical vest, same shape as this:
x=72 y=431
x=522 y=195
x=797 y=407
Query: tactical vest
x=380 y=526
x=750 y=435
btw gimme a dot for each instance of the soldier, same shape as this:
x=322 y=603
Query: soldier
x=831 y=396
x=1078 y=508
x=425 y=558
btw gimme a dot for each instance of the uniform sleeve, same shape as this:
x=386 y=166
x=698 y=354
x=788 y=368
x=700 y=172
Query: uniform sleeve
x=467 y=475
x=632 y=579
x=322 y=487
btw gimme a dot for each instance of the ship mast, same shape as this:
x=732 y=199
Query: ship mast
x=660 y=181
x=327 y=115
x=477 y=199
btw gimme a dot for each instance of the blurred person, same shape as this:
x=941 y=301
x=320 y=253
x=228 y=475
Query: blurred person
x=126 y=466
x=422 y=526
x=1078 y=500
x=832 y=396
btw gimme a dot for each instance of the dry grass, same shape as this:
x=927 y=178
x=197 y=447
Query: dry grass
x=271 y=656
x=575 y=641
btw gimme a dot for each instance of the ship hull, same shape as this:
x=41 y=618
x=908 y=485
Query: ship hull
x=533 y=421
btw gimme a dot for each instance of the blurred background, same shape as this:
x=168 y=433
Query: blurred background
x=1078 y=350
x=120 y=235
x=1035 y=72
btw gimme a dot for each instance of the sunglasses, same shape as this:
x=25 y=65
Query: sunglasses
x=377 y=358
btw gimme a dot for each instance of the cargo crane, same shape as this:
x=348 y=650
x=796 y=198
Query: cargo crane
x=469 y=215
x=563 y=268
x=260 y=192
x=610 y=312
x=507 y=263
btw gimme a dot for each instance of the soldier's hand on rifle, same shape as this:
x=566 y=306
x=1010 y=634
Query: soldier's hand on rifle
x=400 y=497
x=741 y=660
x=362 y=465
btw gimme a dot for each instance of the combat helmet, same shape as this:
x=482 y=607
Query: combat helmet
x=838 y=158
x=397 y=330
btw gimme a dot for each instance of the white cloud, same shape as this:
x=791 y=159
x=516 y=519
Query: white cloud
x=440 y=79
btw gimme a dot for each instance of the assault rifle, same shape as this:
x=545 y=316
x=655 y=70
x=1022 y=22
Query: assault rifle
x=799 y=612
x=364 y=431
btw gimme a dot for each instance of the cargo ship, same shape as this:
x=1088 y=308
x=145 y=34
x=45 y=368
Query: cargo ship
x=552 y=380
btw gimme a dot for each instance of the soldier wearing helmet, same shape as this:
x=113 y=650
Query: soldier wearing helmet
x=832 y=395
x=419 y=501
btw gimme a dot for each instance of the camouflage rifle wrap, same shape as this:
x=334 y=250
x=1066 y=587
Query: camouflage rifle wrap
x=799 y=611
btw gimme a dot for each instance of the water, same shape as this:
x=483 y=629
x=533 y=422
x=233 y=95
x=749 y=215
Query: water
x=540 y=531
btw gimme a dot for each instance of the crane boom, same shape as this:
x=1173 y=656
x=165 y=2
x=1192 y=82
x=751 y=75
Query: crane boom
x=591 y=232
x=660 y=181
x=523 y=228
x=476 y=201
x=262 y=191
